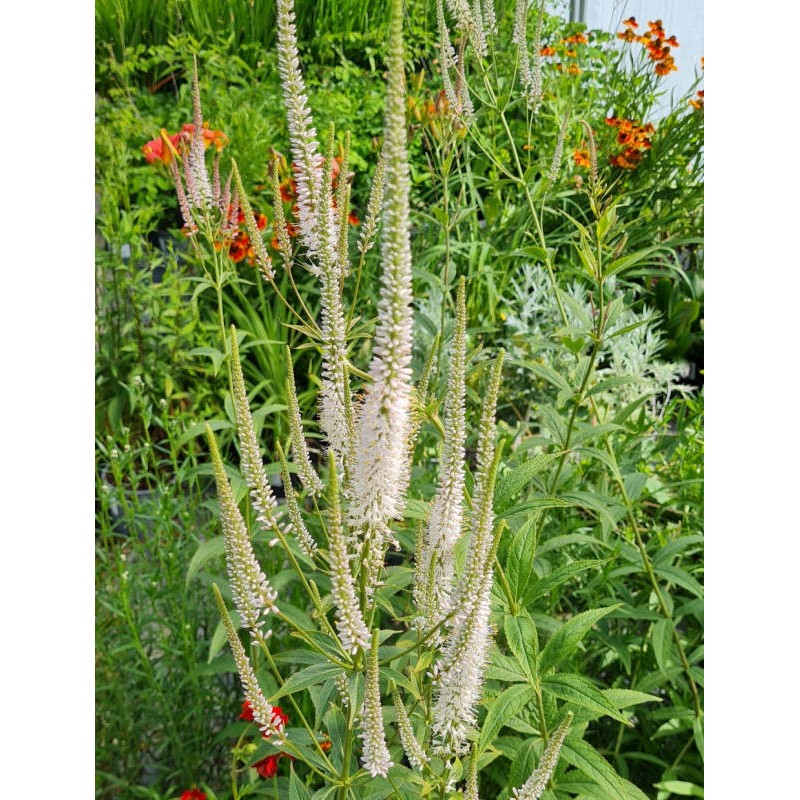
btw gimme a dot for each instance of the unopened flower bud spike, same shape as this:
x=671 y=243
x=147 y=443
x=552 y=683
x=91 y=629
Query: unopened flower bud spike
x=534 y=787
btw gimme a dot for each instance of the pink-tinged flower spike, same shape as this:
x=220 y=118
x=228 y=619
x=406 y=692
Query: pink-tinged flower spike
x=349 y=619
x=534 y=787
x=305 y=148
x=252 y=594
x=183 y=200
x=375 y=758
x=263 y=260
x=335 y=413
x=200 y=193
x=270 y=724
x=378 y=486
x=445 y=519
x=252 y=464
x=460 y=670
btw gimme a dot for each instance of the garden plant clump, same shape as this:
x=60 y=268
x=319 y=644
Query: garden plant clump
x=400 y=426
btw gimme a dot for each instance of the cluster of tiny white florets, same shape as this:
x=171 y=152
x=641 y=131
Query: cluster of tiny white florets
x=350 y=623
x=379 y=474
x=302 y=460
x=375 y=757
x=305 y=148
x=252 y=464
x=530 y=75
x=200 y=197
x=252 y=594
x=297 y=525
x=436 y=561
x=534 y=787
x=334 y=412
x=263 y=260
x=470 y=21
x=319 y=234
x=458 y=99
x=411 y=747
x=461 y=668
x=372 y=219
x=269 y=724
x=197 y=180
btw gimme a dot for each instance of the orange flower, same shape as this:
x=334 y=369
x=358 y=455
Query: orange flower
x=697 y=102
x=576 y=38
x=288 y=190
x=570 y=53
x=240 y=248
x=666 y=66
x=581 y=158
x=353 y=219
x=217 y=138
x=167 y=147
x=574 y=69
x=630 y=22
x=547 y=51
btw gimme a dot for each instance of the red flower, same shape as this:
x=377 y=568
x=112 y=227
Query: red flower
x=353 y=219
x=163 y=149
x=278 y=715
x=267 y=767
x=193 y=794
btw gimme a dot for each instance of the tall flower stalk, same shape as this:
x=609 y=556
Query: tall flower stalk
x=358 y=628
x=444 y=528
x=460 y=669
x=319 y=234
x=378 y=483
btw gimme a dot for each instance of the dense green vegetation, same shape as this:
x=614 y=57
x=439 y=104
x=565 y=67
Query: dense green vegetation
x=593 y=288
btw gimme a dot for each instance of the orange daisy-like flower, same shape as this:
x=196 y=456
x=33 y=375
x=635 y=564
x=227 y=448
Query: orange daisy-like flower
x=288 y=190
x=630 y=22
x=240 y=248
x=697 y=102
x=666 y=66
x=547 y=51
x=576 y=38
x=581 y=158
x=574 y=69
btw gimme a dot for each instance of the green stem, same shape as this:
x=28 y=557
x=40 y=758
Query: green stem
x=279 y=678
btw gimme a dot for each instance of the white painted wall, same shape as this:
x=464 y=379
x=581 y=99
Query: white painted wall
x=683 y=18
